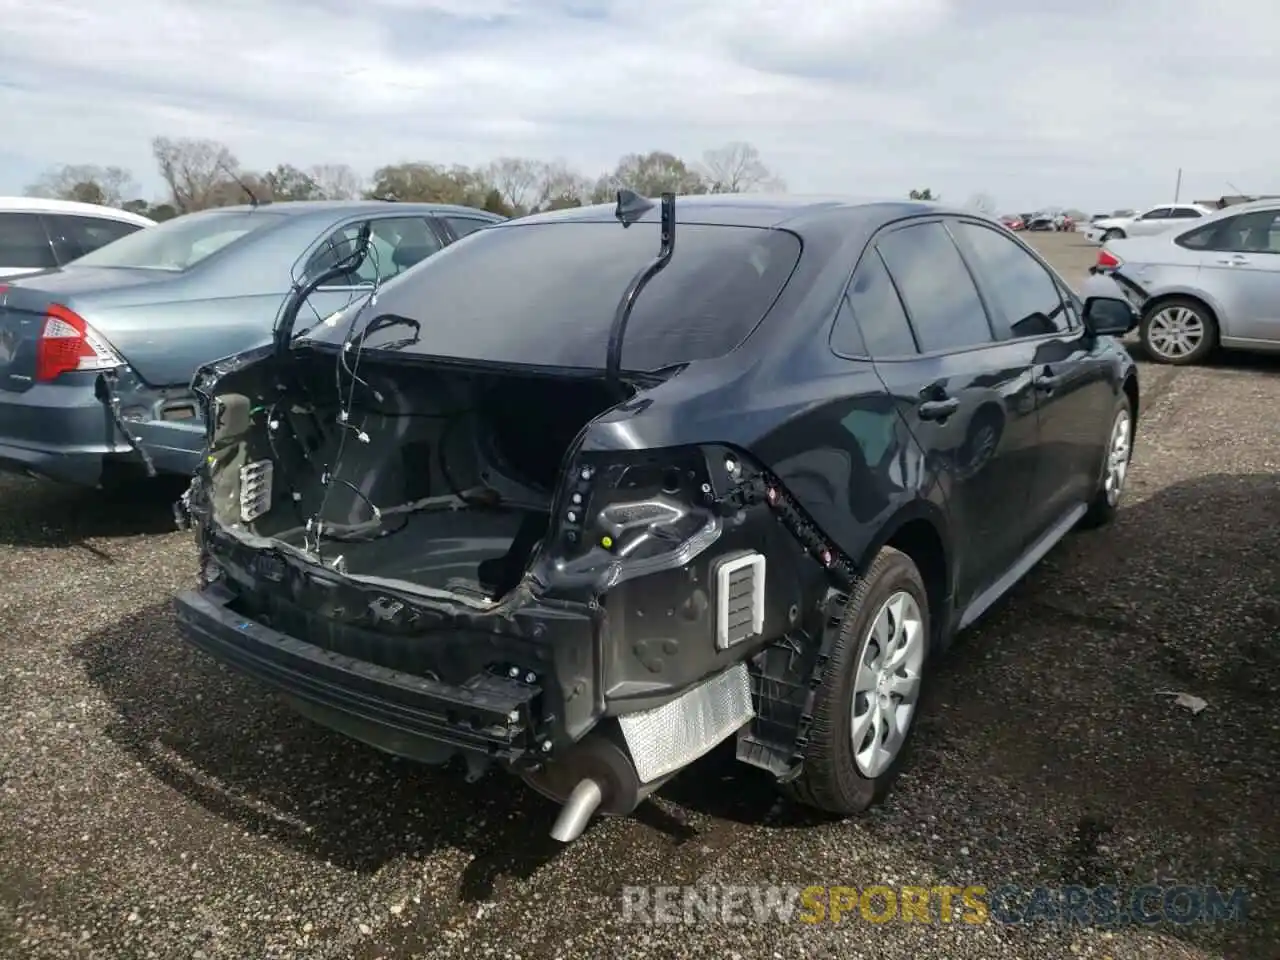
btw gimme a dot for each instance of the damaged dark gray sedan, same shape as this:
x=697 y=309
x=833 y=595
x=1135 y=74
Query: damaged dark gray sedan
x=589 y=493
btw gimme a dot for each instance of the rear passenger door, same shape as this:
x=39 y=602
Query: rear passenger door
x=1240 y=266
x=24 y=245
x=966 y=397
x=1030 y=309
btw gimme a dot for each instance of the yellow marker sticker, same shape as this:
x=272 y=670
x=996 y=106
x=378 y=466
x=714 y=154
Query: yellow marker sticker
x=606 y=542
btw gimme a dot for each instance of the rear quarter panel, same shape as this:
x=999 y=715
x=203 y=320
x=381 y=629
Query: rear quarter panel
x=824 y=425
x=165 y=342
x=1164 y=280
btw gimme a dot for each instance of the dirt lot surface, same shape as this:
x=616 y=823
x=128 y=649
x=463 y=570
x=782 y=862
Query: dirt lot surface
x=154 y=805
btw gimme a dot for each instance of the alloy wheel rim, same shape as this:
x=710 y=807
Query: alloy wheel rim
x=887 y=683
x=1118 y=451
x=1174 y=332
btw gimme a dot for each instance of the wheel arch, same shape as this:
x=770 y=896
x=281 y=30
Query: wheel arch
x=920 y=531
x=1165 y=296
x=1130 y=387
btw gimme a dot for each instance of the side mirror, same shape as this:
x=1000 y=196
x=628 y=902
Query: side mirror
x=1109 y=316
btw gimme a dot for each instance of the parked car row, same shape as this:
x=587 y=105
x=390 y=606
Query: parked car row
x=1213 y=283
x=1045 y=220
x=584 y=494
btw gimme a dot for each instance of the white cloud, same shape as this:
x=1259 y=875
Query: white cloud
x=1051 y=102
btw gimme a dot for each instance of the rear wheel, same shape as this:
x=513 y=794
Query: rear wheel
x=1115 y=467
x=1178 y=331
x=866 y=703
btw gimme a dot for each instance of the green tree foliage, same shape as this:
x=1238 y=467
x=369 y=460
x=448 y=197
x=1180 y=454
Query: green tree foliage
x=286 y=182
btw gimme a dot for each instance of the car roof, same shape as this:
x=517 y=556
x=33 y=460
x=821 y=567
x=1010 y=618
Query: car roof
x=1251 y=206
x=793 y=211
x=1223 y=213
x=47 y=205
x=299 y=208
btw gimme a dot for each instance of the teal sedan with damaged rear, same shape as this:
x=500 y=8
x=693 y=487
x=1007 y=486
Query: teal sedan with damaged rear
x=96 y=358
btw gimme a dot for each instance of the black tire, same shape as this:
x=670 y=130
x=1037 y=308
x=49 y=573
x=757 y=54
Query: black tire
x=1103 y=508
x=1112 y=235
x=830 y=779
x=1203 y=349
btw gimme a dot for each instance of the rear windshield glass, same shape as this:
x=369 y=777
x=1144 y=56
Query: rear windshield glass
x=545 y=295
x=180 y=243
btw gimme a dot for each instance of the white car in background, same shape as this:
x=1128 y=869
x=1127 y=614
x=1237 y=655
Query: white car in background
x=1151 y=221
x=38 y=234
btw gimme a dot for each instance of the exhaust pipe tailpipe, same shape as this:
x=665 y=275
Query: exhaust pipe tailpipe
x=595 y=777
x=577 y=811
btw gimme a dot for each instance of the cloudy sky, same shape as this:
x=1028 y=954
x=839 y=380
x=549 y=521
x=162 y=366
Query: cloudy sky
x=1041 y=102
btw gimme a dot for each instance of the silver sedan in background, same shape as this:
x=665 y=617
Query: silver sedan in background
x=1215 y=283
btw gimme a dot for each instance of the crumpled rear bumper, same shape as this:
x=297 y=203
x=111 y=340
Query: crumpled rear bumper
x=490 y=713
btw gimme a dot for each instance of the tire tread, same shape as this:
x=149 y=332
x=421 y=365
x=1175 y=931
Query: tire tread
x=824 y=782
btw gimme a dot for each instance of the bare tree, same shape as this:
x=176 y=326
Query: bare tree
x=518 y=180
x=737 y=168
x=561 y=186
x=335 y=181
x=87 y=183
x=196 y=171
x=925 y=194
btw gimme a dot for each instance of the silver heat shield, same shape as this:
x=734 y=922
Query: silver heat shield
x=675 y=734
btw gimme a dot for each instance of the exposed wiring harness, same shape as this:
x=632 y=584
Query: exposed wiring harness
x=316 y=530
x=314 y=526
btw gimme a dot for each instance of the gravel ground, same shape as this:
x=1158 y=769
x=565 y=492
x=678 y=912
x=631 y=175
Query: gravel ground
x=153 y=805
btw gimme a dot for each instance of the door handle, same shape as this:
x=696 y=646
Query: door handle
x=1048 y=381
x=938 y=409
x=1236 y=261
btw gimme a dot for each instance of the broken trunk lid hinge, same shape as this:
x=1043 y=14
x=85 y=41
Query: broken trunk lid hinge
x=762 y=488
x=105 y=391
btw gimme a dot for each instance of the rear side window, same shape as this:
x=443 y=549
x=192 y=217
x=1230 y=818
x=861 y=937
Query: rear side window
x=24 y=245
x=1022 y=290
x=544 y=294
x=465 y=225
x=182 y=242
x=1185 y=213
x=1201 y=238
x=941 y=300
x=875 y=324
x=74 y=237
x=395 y=245
x=1255 y=232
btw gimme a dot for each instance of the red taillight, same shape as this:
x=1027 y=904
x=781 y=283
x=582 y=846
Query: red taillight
x=1108 y=260
x=68 y=344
